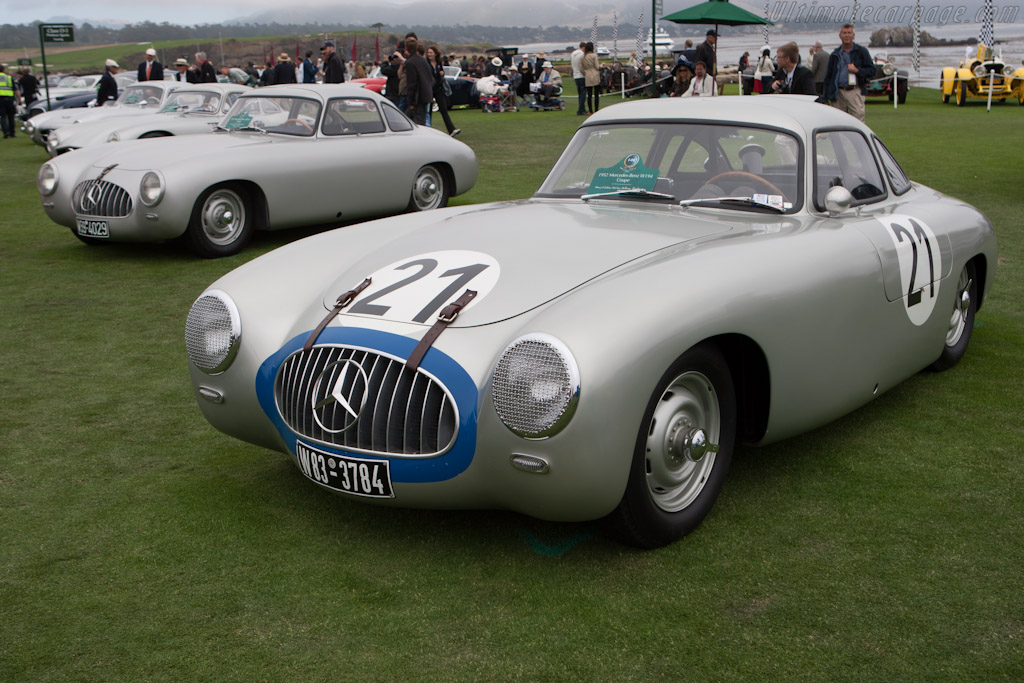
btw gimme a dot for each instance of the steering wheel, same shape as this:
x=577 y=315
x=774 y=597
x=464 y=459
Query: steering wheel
x=300 y=122
x=741 y=176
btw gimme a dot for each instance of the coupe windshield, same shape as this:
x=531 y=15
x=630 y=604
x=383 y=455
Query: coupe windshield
x=672 y=162
x=141 y=94
x=192 y=101
x=286 y=115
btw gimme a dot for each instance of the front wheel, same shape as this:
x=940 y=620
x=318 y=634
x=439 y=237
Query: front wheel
x=682 y=452
x=429 y=189
x=961 y=94
x=961 y=320
x=222 y=221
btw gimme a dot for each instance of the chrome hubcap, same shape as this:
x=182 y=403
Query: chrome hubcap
x=223 y=216
x=961 y=308
x=682 y=441
x=426 y=190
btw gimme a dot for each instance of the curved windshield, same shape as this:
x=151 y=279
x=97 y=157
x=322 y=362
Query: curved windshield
x=194 y=102
x=285 y=115
x=141 y=94
x=77 y=82
x=688 y=162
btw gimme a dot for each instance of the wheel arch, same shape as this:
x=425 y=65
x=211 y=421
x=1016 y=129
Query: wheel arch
x=981 y=273
x=449 y=175
x=751 y=379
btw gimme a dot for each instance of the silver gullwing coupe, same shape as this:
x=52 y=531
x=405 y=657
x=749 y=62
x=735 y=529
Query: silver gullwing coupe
x=691 y=273
x=189 y=110
x=283 y=156
x=135 y=100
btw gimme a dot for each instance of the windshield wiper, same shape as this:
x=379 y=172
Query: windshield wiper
x=633 y=192
x=742 y=201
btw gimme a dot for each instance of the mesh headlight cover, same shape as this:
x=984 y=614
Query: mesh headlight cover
x=212 y=332
x=536 y=386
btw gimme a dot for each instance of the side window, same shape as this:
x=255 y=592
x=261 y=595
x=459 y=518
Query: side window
x=843 y=157
x=352 y=116
x=231 y=100
x=397 y=120
x=897 y=178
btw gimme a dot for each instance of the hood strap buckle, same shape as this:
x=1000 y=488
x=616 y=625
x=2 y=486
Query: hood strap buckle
x=343 y=301
x=445 y=318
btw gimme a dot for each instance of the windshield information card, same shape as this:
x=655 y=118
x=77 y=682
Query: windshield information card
x=628 y=174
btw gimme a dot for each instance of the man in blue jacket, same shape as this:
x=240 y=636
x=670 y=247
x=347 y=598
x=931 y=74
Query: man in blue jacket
x=846 y=78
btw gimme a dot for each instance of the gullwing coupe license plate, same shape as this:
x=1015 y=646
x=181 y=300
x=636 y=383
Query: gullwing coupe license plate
x=90 y=228
x=358 y=476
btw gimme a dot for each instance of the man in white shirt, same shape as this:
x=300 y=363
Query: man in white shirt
x=702 y=84
x=576 y=60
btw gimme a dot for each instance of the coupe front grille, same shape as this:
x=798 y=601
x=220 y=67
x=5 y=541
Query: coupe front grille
x=101 y=198
x=398 y=412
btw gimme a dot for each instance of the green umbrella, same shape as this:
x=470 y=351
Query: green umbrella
x=716 y=12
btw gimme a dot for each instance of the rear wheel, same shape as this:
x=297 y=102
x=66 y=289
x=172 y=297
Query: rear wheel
x=961 y=320
x=222 y=221
x=429 y=189
x=682 y=452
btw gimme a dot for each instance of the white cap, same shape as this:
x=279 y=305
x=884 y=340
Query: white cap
x=151 y=52
x=546 y=65
x=112 y=63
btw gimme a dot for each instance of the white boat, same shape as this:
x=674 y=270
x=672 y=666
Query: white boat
x=663 y=41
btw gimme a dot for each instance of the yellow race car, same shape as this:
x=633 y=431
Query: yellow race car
x=978 y=76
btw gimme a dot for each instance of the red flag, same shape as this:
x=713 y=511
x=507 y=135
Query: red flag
x=353 y=48
x=376 y=47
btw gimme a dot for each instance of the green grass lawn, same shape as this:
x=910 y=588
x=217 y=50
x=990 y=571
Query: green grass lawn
x=138 y=543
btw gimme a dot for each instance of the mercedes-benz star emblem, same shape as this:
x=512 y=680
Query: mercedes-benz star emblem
x=91 y=198
x=342 y=384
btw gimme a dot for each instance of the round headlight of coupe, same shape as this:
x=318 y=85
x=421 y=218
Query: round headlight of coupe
x=113 y=137
x=979 y=71
x=151 y=188
x=536 y=386
x=1007 y=70
x=47 y=179
x=888 y=69
x=29 y=127
x=212 y=332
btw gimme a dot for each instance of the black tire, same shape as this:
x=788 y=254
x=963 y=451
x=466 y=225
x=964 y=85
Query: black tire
x=961 y=321
x=902 y=97
x=671 y=488
x=222 y=221
x=429 y=189
x=960 y=90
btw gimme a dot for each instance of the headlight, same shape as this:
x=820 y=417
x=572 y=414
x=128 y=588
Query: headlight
x=887 y=69
x=212 y=332
x=47 y=179
x=113 y=137
x=29 y=127
x=151 y=188
x=979 y=71
x=1007 y=70
x=536 y=386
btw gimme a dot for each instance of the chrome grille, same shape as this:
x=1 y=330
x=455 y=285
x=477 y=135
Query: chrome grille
x=101 y=198
x=402 y=413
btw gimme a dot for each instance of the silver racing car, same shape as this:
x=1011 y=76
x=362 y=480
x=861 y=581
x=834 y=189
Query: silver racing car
x=692 y=273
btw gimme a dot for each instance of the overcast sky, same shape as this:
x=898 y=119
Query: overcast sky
x=399 y=12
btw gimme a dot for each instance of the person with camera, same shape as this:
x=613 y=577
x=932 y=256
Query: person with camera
x=391 y=71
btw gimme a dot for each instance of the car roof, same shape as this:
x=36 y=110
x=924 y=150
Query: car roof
x=798 y=113
x=164 y=85
x=318 y=91
x=213 y=87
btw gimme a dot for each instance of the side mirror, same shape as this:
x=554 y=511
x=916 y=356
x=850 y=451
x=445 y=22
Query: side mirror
x=837 y=200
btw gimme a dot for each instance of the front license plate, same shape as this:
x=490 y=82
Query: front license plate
x=88 y=228
x=358 y=476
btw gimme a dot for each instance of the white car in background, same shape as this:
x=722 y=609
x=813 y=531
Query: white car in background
x=189 y=110
x=135 y=99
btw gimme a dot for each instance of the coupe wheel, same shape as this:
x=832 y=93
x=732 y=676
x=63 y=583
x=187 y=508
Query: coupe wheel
x=222 y=221
x=429 y=189
x=682 y=453
x=961 y=320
